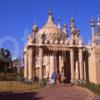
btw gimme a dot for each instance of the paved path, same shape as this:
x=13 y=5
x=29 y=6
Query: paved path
x=53 y=93
x=65 y=93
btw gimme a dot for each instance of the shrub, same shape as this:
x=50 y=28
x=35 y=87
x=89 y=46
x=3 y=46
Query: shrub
x=93 y=87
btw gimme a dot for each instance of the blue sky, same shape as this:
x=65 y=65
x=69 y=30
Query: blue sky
x=17 y=18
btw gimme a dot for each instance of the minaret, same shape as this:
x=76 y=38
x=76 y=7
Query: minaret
x=72 y=24
x=98 y=24
x=59 y=26
x=92 y=28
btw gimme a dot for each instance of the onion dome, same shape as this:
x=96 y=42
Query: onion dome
x=50 y=30
x=35 y=27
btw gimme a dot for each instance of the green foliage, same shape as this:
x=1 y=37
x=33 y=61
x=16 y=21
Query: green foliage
x=5 y=56
x=5 y=59
x=42 y=82
x=93 y=87
x=9 y=77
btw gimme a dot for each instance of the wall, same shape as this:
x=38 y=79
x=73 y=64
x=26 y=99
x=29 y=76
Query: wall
x=94 y=65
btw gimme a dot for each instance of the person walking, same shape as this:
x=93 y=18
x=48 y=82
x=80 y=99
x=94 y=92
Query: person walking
x=58 y=78
x=54 y=77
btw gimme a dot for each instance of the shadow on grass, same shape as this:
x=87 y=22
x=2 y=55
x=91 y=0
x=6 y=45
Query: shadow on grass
x=20 y=96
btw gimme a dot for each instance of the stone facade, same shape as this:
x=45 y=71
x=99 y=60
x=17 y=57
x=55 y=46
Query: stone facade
x=51 y=48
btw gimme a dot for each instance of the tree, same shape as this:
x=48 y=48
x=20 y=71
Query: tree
x=5 y=59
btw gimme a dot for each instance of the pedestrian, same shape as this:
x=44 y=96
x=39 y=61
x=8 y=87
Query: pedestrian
x=63 y=79
x=58 y=78
x=53 y=78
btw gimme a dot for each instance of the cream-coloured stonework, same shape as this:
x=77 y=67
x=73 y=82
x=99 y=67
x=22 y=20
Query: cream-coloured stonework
x=50 y=48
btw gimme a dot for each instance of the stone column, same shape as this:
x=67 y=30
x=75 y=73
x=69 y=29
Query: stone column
x=25 y=65
x=72 y=64
x=60 y=65
x=52 y=67
x=30 y=63
x=55 y=62
x=81 y=64
x=84 y=71
x=77 y=71
x=47 y=65
x=40 y=63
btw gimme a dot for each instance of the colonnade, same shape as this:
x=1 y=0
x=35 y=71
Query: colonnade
x=78 y=68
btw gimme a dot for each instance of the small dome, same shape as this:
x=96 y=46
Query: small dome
x=35 y=27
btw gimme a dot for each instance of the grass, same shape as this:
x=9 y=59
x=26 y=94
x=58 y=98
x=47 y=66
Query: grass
x=17 y=86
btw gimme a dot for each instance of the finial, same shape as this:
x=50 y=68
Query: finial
x=59 y=22
x=50 y=11
x=50 y=15
x=35 y=23
x=92 y=22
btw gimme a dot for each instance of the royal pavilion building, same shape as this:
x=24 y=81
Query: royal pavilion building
x=54 y=48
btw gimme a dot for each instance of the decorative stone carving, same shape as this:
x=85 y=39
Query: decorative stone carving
x=61 y=42
x=46 y=41
x=67 y=41
x=56 y=42
x=30 y=39
x=51 y=41
x=81 y=41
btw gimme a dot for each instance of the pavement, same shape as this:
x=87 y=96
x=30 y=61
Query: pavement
x=57 y=92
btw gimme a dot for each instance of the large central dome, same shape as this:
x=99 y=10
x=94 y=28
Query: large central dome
x=51 y=31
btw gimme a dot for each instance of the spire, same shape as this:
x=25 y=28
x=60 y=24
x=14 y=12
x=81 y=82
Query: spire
x=72 y=24
x=58 y=23
x=50 y=21
x=35 y=23
x=50 y=15
x=35 y=26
